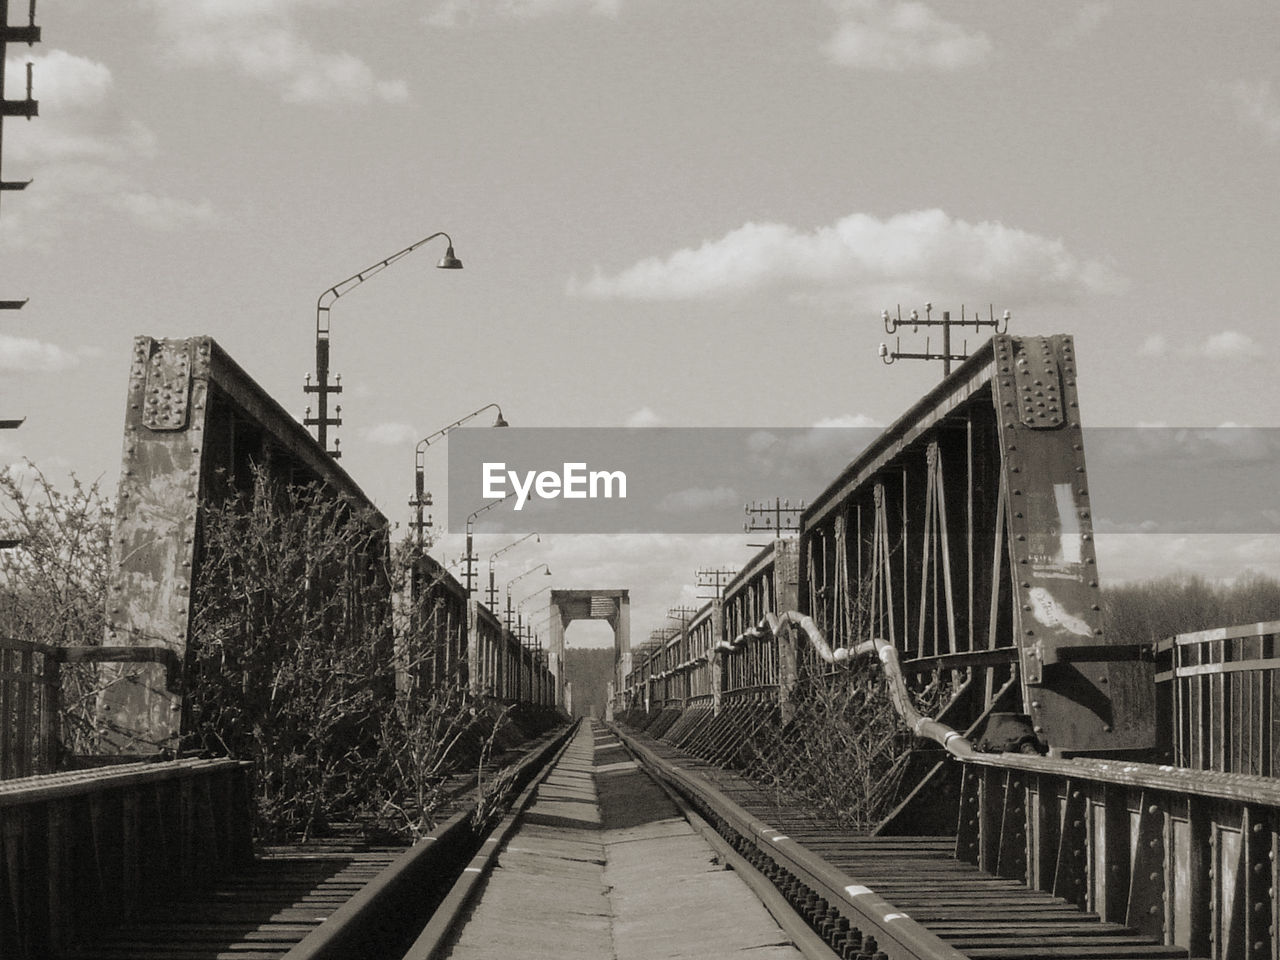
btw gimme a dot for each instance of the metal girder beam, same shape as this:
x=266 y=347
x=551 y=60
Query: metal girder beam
x=195 y=426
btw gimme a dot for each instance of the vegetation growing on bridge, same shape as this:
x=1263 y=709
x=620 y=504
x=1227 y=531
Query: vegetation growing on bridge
x=299 y=664
x=295 y=660
x=53 y=589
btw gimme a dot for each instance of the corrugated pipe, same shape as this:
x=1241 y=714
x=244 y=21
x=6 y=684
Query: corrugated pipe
x=925 y=727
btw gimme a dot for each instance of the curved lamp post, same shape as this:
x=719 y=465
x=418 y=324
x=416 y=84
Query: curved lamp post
x=470 y=556
x=493 y=591
x=322 y=387
x=512 y=582
x=520 y=608
x=420 y=497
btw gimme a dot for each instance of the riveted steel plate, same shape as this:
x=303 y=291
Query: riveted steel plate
x=167 y=397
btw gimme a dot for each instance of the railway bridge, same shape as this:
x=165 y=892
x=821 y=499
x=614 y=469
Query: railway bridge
x=1024 y=786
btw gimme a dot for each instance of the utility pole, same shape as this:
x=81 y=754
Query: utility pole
x=716 y=578
x=779 y=517
x=891 y=325
x=26 y=107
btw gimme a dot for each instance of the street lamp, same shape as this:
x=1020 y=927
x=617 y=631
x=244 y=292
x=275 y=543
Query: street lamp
x=520 y=605
x=512 y=582
x=520 y=609
x=470 y=556
x=493 y=591
x=322 y=387
x=420 y=497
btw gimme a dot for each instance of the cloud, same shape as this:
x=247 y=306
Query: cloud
x=924 y=253
x=86 y=155
x=391 y=434
x=26 y=355
x=62 y=79
x=1229 y=345
x=1154 y=346
x=1088 y=17
x=882 y=35
x=261 y=39
x=696 y=499
x=848 y=421
x=72 y=191
x=1224 y=345
x=1225 y=556
x=644 y=417
x=458 y=13
x=162 y=213
x=77 y=120
x=1256 y=107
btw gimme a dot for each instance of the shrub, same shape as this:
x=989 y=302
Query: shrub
x=53 y=587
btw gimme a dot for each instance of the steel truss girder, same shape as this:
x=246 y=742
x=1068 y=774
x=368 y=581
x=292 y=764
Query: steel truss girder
x=965 y=530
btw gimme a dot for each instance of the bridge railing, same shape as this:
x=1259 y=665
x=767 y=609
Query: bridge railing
x=30 y=682
x=82 y=850
x=31 y=714
x=1223 y=690
x=1185 y=856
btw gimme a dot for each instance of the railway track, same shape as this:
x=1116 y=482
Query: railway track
x=905 y=896
x=601 y=863
x=620 y=846
x=337 y=897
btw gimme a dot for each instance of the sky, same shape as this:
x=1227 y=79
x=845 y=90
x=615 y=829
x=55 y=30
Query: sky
x=671 y=212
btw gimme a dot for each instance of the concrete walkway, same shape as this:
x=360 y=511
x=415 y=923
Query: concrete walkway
x=603 y=866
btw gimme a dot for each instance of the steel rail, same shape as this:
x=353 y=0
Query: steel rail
x=436 y=936
x=388 y=909
x=895 y=933
x=793 y=924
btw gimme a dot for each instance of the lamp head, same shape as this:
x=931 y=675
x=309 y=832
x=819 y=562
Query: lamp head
x=500 y=422
x=449 y=261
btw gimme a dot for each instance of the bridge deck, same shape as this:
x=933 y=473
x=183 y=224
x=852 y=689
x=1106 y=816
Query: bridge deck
x=975 y=912
x=603 y=865
x=257 y=914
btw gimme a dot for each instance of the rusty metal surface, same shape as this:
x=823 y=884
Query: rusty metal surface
x=195 y=426
x=963 y=537
x=966 y=529
x=1078 y=698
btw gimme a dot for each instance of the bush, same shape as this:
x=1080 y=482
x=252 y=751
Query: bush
x=53 y=588
x=294 y=662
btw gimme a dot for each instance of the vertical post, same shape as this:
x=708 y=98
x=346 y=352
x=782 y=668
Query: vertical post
x=322 y=391
x=473 y=646
x=946 y=342
x=622 y=639
x=50 y=713
x=469 y=574
x=716 y=666
x=786 y=590
x=556 y=647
